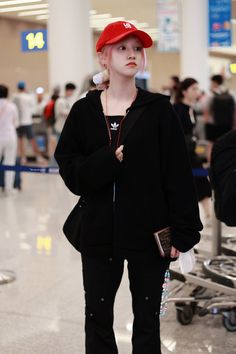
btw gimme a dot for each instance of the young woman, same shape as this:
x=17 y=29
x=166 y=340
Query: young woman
x=186 y=98
x=123 y=151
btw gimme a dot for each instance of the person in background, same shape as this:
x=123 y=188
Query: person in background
x=8 y=138
x=219 y=112
x=186 y=98
x=172 y=88
x=122 y=150
x=222 y=174
x=39 y=126
x=25 y=106
x=88 y=86
x=199 y=109
x=63 y=106
x=40 y=102
x=49 y=118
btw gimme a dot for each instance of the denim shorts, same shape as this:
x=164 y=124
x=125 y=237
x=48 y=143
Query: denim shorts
x=25 y=130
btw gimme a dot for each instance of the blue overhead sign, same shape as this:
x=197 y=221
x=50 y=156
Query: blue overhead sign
x=34 y=40
x=220 y=23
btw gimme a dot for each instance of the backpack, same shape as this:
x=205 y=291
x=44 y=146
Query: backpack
x=222 y=109
x=223 y=178
x=49 y=112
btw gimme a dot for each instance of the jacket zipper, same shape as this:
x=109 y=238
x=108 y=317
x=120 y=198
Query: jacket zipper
x=117 y=144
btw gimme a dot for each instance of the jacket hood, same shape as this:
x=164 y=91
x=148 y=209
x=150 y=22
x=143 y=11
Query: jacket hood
x=143 y=97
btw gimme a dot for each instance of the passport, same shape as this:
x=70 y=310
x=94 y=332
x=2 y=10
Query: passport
x=163 y=241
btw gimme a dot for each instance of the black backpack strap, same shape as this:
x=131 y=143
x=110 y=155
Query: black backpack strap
x=130 y=120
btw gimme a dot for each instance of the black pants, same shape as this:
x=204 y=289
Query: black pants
x=102 y=278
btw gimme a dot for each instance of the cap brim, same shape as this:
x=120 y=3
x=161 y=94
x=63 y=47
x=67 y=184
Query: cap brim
x=142 y=36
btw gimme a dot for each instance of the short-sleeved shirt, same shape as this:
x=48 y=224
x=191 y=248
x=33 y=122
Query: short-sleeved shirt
x=8 y=119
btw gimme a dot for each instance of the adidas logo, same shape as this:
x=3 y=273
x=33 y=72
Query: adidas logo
x=114 y=126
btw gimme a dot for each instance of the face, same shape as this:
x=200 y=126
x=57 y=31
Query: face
x=126 y=57
x=213 y=85
x=171 y=83
x=192 y=93
x=40 y=97
x=69 y=93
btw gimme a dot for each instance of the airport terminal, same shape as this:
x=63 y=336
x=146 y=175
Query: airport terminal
x=117 y=176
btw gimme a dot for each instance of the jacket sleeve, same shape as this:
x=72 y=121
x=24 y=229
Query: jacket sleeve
x=178 y=183
x=83 y=174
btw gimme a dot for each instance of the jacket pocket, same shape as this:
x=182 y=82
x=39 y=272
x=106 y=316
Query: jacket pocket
x=72 y=225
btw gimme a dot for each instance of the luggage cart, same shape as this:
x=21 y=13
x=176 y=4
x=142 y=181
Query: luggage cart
x=212 y=286
x=211 y=291
x=228 y=245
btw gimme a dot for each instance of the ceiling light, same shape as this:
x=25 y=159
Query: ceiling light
x=27 y=7
x=15 y=2
x=101 y=23
x=31 y=13
x=42 y=17
x=100 y=16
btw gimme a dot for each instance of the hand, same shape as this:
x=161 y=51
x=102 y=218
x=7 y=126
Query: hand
x=174 y=253
x=119 y=153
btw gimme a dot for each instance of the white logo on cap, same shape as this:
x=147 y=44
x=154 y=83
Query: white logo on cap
x=127 y=25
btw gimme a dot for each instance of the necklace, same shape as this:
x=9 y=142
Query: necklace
x=121 y=122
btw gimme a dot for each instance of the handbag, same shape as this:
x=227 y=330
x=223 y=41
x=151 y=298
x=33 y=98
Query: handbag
x=72 y=225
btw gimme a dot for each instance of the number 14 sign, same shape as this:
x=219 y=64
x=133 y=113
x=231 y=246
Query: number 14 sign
x=34 y=40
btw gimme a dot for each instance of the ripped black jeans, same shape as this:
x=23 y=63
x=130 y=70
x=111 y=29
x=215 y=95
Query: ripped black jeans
x=102 y=278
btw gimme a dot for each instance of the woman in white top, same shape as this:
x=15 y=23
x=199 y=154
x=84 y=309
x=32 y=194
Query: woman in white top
x=8 y=137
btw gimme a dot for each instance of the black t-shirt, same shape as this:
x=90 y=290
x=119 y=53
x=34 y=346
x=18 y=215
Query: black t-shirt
x=114 y=124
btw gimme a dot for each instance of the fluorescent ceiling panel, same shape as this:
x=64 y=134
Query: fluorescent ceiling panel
x=21 y=8
x=31 y=13
x=16 y=2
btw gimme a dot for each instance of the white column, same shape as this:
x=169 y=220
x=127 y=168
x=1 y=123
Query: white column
x=194 y=43
x=69 y=42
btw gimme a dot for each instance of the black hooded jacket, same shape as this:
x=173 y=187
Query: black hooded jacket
x=124 y=203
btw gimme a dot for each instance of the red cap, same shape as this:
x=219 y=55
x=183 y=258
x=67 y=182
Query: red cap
x=116 y=31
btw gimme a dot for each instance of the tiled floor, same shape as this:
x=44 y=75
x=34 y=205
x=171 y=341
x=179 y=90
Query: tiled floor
x=42 y=311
